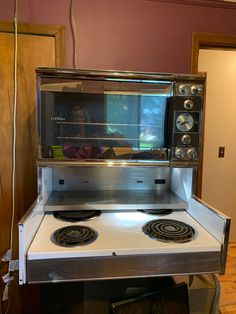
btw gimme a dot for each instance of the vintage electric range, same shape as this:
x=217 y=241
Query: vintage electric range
x=118 y=155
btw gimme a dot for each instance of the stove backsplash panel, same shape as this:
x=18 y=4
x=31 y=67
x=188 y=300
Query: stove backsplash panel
x=74 y=178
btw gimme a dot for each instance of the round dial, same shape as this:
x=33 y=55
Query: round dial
x=188 y=104
x=192 y=153
x=184 y=122
x=180 y=153
x=182 y=89
x=186 y=139
x=196 y=89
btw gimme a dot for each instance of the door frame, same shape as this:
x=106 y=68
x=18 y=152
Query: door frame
x=206 y=41
x=56 y=31
x=21 y=296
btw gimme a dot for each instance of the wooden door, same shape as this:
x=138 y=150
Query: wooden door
x=37 y=46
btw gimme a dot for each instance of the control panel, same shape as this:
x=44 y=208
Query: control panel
x=185 y=116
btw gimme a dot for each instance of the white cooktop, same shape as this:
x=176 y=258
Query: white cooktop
x=120 y=233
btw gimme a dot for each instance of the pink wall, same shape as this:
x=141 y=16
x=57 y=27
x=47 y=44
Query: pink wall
x=127 y=34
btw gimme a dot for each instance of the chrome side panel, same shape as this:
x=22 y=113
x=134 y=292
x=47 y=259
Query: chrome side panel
x=27 y=227
x=45 y=177
x=181 y=182
x=215 y=222
x=30 y=222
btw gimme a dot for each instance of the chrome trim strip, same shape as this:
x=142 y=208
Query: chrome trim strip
x=224 y=247
x=29 y=211
x=97 y=268
x=103 y=163
x=116 y=163
x=212 y=209
x=104 y=74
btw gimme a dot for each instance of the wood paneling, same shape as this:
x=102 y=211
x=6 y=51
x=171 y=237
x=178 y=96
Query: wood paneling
x=37 y=46
x=55 y=32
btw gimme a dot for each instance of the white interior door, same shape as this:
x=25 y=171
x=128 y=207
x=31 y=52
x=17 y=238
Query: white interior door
x=219 y=174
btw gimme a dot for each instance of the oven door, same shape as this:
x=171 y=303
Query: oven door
x=103 y=119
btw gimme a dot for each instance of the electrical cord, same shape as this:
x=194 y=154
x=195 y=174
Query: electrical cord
x=14 y=125
x=9 y=276
x=74 y=34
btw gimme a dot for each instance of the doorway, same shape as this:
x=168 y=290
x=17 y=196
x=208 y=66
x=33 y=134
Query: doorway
x=216 y=55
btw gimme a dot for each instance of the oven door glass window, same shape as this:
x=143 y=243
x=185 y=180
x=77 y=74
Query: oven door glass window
x=91 y=119
x=136 y=120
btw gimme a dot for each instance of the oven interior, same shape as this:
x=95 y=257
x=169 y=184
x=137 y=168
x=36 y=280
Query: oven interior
x=177 y=294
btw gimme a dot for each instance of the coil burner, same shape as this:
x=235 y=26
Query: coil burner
x=76 y=215
x=161 y=211
x=168 y=230
x=74 y=236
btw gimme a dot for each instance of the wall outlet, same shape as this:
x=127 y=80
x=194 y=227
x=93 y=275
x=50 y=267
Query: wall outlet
x=221 y=152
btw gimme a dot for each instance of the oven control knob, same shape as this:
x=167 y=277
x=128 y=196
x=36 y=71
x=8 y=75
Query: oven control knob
x=192 y=153
x=196 y=89
x=186 y=139
x=182 y=89
x=188 y=104
x=179 y=153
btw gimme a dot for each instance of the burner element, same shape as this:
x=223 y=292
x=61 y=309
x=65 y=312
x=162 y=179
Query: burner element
x=168 y=230
x=76 y=215
x=74 y=235
x=161 y=211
